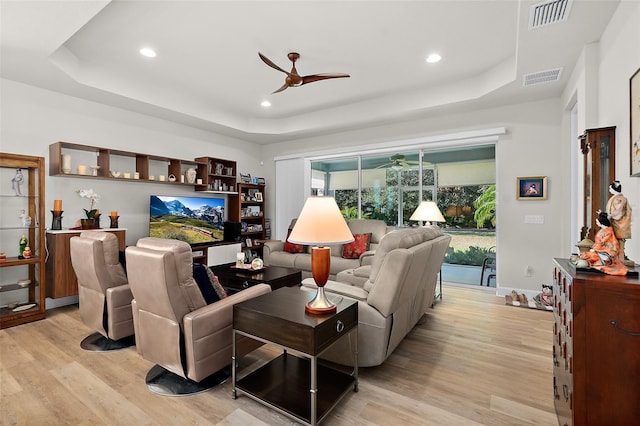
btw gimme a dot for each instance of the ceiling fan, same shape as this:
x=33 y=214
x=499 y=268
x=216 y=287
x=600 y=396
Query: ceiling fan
x=293 y=79
x=398 y=162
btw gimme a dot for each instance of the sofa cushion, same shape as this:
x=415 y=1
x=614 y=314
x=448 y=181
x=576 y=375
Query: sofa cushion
x=359 y=245
x=377 y=229
x=292 y=247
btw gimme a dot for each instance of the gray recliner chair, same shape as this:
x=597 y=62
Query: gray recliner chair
x=104 y=294
x=189 y=341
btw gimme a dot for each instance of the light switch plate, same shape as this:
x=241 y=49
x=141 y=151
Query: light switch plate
x=537 y=219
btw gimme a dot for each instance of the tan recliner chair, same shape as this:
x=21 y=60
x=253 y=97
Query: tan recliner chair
x=104 y=294
x=399 y=289
x=190 y=341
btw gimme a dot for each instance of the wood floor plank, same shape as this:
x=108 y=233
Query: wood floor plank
x=473 y=360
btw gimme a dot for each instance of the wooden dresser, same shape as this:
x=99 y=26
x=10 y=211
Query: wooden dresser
x=61 y=279
x=596 y=348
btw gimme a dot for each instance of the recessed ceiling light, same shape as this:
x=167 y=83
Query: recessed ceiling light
x=433 y=58
x=265 y=104
x=148 y=52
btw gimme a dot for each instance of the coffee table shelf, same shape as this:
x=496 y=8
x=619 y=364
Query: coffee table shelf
x=285 y=383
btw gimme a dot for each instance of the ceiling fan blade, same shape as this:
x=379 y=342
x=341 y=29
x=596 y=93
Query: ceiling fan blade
x=284 y=86
x=271 y=64
x=316 y=77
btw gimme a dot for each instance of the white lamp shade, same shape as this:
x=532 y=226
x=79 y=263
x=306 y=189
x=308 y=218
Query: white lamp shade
x=320 y=223
x=427 y=211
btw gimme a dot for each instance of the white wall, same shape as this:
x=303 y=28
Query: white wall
x=600 y=86
x=33 y=118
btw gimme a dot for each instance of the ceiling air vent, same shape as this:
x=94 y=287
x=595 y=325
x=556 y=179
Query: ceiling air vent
x=549 y=12
x=540 y=77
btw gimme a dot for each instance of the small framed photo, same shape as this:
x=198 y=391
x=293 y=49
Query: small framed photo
x=259 y=196
x=249 y=242
x=531 y=188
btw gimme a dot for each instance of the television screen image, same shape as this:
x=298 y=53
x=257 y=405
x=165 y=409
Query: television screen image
x=196 y=220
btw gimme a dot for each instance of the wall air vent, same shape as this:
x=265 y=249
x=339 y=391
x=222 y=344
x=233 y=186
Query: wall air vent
x=540 y=77
x=549 y=12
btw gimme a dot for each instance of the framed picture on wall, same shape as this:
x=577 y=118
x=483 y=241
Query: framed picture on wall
x=531 y=188
x=634 y=123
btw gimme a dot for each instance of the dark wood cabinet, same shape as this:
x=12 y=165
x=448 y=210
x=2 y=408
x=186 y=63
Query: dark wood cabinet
x=596 y=347
x=598 y=148
x=61 y=278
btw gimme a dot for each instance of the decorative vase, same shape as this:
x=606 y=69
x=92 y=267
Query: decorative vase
x=191 y=175
x=114 y=221
x=87 y=223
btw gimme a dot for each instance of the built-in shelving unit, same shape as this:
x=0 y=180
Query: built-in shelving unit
x=247 y=207
x=68 y=159
x=22 y=280
x=216 y=175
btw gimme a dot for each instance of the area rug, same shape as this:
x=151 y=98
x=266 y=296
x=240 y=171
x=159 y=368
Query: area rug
x=531 y=305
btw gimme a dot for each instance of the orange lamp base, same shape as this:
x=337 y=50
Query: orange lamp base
x=320 y=266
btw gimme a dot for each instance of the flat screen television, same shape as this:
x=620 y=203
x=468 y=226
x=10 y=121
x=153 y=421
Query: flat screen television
x=196 y=220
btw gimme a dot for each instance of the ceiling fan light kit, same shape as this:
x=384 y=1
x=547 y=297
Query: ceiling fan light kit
x=293 y=79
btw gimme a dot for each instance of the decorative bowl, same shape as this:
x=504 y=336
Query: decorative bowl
x=115 y=173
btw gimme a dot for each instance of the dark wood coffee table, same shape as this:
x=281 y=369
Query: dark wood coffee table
x=234 y=280
x=297 y=386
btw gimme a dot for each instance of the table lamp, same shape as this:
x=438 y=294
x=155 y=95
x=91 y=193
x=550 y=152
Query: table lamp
x=319 y=224
x=427 y=211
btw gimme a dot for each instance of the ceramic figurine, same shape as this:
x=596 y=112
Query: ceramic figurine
x=26 y=253
x=23 y=244
x=603 y=256
x=16 y=181
x=619 y=213
x=25 y=219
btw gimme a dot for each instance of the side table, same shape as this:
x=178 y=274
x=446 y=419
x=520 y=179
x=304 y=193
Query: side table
x=297 y=386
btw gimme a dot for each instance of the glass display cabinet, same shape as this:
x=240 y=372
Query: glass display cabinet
x=22 y=253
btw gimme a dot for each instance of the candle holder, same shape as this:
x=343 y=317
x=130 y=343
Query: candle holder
x=56 y=223
x=114 y=221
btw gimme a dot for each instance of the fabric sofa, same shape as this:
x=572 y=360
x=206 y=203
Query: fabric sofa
x=398 y=291
x=275 y=253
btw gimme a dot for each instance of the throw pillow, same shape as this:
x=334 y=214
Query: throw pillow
x=208 y=283
x=292 y=247
x=359 y=245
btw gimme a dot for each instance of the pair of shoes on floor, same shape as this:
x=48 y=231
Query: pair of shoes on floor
x=522 y=298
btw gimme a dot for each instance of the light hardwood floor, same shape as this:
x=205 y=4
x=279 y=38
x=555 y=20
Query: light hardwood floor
x=474 y=360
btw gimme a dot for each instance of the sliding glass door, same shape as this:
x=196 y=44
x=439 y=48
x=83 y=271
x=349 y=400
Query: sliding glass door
x=389 y=187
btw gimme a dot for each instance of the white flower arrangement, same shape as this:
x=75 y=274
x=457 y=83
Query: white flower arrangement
x=94 y=197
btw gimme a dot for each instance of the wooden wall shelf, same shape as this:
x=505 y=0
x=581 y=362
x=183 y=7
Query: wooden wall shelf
x=249 y=210
x=218 y=176
x=111 y=160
